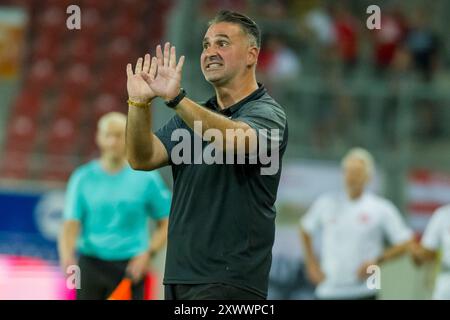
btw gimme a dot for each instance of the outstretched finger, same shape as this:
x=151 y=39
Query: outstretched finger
x=180 y=64
x=159 y=55
x=166 y=54
x=146 y=66
x=153 y=68
x=129 y=70
x=138 y=68
x=173 y=58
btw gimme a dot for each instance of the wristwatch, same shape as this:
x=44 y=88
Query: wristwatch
x=175 y=101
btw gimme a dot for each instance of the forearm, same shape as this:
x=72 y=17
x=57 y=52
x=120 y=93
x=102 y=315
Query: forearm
x=310 y=257
x=394 y=252
x=68 y=239
x=422 y=254
x=139 y=135
x=159 y=238
x=191 y=112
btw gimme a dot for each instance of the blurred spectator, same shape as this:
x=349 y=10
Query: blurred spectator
x=210 y=7
x=277 y=61
x=271 y=9
x=346 y=30
x=401 y=62
x=355 y=225
x=423 y=44
x=317 y=28
x=435 y=239
x=388 y=39
x=319 y=22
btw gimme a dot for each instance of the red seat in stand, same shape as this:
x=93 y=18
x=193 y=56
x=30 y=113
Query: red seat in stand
x=21 y=133
x=14 y=165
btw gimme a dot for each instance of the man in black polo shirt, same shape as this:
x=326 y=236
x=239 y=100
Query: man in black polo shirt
x=222 y=221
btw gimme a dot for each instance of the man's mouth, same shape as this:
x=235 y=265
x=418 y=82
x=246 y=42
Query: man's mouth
x=213 y=66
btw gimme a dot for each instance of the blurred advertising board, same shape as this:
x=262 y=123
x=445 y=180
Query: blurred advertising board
x=29 y=278
x=426 y=191
x=30 y=223
x=29 y=226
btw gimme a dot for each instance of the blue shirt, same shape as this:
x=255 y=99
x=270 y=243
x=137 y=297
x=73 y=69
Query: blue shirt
x=114 y=209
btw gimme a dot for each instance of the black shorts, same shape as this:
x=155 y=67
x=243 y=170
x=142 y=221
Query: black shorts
x=211 y=291
x=99 y=278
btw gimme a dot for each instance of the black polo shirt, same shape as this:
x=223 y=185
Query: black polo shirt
x=222 y=219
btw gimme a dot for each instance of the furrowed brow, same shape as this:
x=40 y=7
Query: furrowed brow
x=222 y=35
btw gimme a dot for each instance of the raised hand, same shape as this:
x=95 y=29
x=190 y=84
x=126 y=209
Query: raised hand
x=167 y=80
x=137 y=86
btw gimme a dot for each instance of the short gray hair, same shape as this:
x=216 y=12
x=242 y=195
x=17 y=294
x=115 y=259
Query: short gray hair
x=110 y=117
x=364 y=156
x=248 y=26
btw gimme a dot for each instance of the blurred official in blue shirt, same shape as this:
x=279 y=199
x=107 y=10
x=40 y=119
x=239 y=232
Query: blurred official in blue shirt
x=106 y=218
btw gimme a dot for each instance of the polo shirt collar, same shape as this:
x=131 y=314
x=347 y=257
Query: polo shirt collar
x=255 y=95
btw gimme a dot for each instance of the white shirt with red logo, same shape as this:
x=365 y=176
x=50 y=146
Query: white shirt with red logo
x=352 y=232
x=436 y=237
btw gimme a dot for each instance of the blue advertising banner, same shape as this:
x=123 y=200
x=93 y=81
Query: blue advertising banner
x=30 y=223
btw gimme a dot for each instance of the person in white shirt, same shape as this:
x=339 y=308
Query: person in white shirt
x=353 y=227
x=435 y=238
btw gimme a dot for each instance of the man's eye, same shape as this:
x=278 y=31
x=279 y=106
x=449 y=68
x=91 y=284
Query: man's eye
x=223 y=43
x=205 y=45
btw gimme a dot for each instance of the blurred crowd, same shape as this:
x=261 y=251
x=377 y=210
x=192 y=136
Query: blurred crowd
x=337 y=34
x=329 y=41
x=304 y=42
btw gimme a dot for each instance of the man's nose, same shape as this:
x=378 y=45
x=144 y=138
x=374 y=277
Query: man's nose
x=211 y=52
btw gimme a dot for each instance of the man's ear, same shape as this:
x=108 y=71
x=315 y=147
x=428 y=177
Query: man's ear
x=252 y=56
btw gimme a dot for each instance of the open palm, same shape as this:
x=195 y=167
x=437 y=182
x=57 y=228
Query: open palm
x=137 y=86
x=166 y=82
